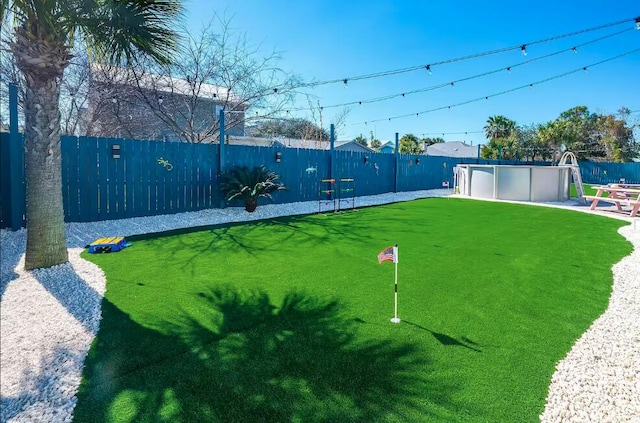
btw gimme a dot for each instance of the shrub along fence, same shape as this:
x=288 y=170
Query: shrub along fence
x=109 y=178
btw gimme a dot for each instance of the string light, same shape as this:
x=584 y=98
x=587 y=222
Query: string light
x=428 y=68
x=471 y=56
x=637 y=23
x=438 y=86
x=575 y=50
x=523 y=49
x=513 y=89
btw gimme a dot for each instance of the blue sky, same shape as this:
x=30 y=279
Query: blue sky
x=330 y=39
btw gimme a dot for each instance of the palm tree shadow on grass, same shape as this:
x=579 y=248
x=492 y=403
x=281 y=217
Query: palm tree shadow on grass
x=244 y=360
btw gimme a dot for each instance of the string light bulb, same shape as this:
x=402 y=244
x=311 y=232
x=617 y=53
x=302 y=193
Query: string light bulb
x=345 y=82
x=523 y=49
x=637 y=23
x=428 y=68
x=575 y=50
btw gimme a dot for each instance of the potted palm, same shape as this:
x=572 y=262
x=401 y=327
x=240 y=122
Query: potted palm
x=249 y=184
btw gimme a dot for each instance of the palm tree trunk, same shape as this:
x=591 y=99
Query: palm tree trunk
x=42 y=61
x=46 y=244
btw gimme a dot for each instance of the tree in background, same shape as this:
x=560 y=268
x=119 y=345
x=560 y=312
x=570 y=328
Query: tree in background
x=503 y=139
x=616 y=139
x=590 y=136
x=374 y=142
x=430 y=141
x=410 y=144
x=499 y=127
x=531 y=146
x=41 y=45
x=295 y=128
x=216 y=66
x=361 y=140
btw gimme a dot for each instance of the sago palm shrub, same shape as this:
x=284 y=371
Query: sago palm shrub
x=249 y=184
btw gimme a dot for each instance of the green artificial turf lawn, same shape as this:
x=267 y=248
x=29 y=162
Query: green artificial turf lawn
x=288 y=319
x=588 y=190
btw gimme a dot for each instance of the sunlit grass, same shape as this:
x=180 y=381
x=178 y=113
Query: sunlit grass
x=288 y=319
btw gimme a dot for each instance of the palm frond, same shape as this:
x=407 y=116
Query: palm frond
x=124 y=29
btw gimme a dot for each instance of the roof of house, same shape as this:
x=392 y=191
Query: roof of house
x=352 y=146
x=114 y=74
x=452 y=149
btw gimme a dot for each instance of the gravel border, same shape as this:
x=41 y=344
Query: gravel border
x=49 y=318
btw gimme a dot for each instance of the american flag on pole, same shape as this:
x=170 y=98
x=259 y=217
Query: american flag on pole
x=388 y=254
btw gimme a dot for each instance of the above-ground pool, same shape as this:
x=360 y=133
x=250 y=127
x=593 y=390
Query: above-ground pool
x=518 y=183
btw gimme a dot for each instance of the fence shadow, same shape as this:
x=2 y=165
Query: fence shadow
x=239 y=358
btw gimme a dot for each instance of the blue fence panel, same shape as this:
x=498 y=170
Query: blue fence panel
x=208 y=175
x=606 y=173
x=377 y=175
x=99 y=186
x=301 y=170
x=5 y=181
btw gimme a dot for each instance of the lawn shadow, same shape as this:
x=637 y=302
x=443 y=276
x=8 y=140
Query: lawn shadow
x=447 y=340
x=239 y=358
x=250 y=237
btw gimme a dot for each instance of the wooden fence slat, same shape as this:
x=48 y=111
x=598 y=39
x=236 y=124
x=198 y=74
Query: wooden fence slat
x=112 y=180
x=127 y=159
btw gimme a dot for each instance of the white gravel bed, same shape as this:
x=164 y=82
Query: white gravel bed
x=599 y=380
x=49 y=317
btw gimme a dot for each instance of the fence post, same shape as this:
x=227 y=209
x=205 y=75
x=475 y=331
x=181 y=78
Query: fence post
x=221 y=154
x=16 y=162
x=332 y=135
x=396 y=154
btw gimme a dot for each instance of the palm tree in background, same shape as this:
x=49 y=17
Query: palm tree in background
x=116 y=31
x=499 y=127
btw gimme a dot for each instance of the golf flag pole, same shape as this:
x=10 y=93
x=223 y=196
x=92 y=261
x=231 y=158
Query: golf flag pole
x=391 y=254
x=395 y=318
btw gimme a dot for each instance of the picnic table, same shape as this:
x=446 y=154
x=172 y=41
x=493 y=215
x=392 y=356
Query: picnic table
x=618 y=195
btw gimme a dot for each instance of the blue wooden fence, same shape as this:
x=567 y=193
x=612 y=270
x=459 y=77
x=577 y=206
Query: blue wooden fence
x=154 y=177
